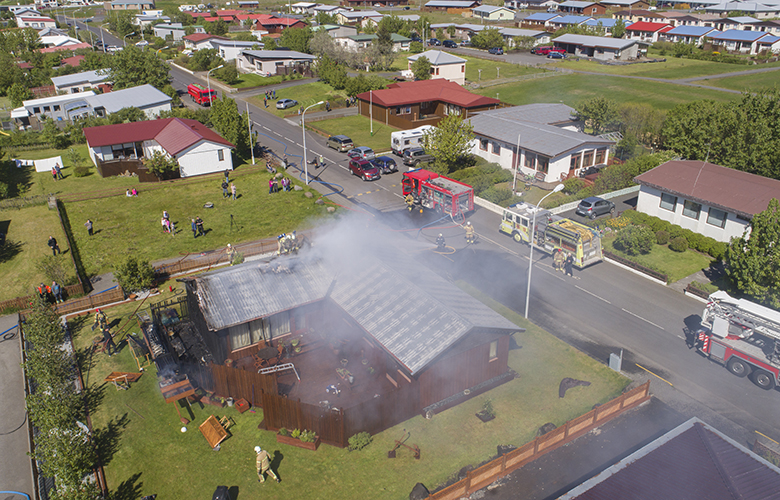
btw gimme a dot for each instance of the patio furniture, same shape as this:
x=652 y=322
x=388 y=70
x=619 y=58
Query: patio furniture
x=213 y=431
x=265 y=357
x=122 y=380
x=226 y=422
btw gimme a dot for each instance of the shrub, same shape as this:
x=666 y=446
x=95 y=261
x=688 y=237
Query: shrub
x=359 y=441
x=662 y=237
x=296 y=433
x=81 y=171
x=487 y=408
x=499 y=196
x=284 y=432
x=635 y=240
x=503 y=175
x=675 y=232
x=718 y=250
x=308 y=436
x=704 y=287
x=573 y=185
x=238 y=258
x=134 y=275
x=678 y=244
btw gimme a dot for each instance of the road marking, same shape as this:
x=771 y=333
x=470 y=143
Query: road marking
x=651 y=373
x=277 y=133
x=593 y=294
x=289 y=140
x=769 y=438
x=643 y=319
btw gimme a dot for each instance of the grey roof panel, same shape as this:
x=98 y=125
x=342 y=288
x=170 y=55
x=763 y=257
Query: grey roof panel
x=94 y=76
x=595 y=41
x=541 y=112
x=140 y=97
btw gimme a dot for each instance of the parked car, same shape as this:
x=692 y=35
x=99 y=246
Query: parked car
x=543 y=51
x=434 y=41
x=556 y=55
x=498 y=51
x=340 y=143
x=385 y=164
x=416 y=38
x=413 y=156
x=450 y=44
x=361 y=153
x=286 y=103
x=593 y=206
x=364 y=169
x=465 y=43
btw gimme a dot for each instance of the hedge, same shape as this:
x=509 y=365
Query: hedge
x=704 y=244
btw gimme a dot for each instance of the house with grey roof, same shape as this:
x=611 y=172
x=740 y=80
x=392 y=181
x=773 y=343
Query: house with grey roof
x=357 y=43
x=144 y=97
x=273 y=62
x=130 y=5
x=173 y=30
x=79 y=82
x=598 y=47
x=443 y=65
x=532 y=4
x=509 y=34
x=541 y=139
x=451 y=6
x=492 y=13
x=231 y=49
x=337 y=30
x=581 y=7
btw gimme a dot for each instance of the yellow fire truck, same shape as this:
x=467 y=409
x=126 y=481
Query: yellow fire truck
x=552 y=233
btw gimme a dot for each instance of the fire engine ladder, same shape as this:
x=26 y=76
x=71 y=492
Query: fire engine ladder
x=279 y=368
x=752 y=321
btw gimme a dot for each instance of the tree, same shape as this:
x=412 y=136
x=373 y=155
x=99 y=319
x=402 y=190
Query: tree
x=416 y=47
x=598 y=113
x=269 y=43
x=228 y=74
x=449 y=142
x=121 y=22
x=218 y=28
x=161 y=164
x=331 y=72
x=297 y=39
x=18 y=93
x=642 y=121
x=753 y=261
x=132 y=67
x=619 y=29
x=325 y=18
x=524 y=42
x=362 y=83
x=391 y=24
x=134 y=275
x=205 y=59
x=230 y=124
x=421 y=68
x=246 y=36
x=128 y=114
x=635 y=239
x=487 y=39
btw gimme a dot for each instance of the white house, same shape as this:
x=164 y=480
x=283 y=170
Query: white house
x=493 y=13
x=443 y=65
x=708 y=199
x=267 y=62
x=231 y=49
x=362 y=17
x=745 y=42
x=198 y=41
x=303 y=7
x=689 y=34
x=551 y=146
x=509 y=34
x=357 y=43
x=174 y=30
x=198 y=149
x=35 y=22
x=647 y=32
x=598 y=47
x=534 y=4
x=540 y=19
x=79 y=82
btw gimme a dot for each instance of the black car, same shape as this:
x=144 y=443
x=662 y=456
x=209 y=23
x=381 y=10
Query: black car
x=593 y=206
x=385 y=164
x=416 y=38
x=498 y=51
x=450 y=44
x=434 y=41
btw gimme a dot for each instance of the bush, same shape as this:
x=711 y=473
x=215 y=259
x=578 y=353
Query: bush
x=662 y=237
x=679 y=244
x=308 y=436
x=718 y=250
x=635 y=240
x=296 y=433
x=499 y=196
x=284 y=432
x=81 y=171
x=359 y=441
x=573 y=185
x=134 y=275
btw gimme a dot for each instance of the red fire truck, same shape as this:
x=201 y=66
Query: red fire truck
x=743 y=336
x=202 y=96
x=435 y=192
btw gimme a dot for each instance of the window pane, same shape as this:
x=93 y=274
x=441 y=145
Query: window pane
x=280 y=324
x=239 y=336
x=256 y=330
x=668 y=202
x=691 y=209
x=716 y=217
x=493 y=350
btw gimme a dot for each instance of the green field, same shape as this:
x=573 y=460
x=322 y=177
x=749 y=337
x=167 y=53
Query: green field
x=145 y=452
x=675 y=265
x=358 y=128
x=753 y=83
x=306 y=95
x=673 y=69
x=573 y=89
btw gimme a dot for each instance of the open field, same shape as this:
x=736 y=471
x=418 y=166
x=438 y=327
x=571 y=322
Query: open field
x=673 y=69
x=676 y=265
x=573 y=89
x=306 y=95
x=752 y=83
x=357 y=128
x=145 y=452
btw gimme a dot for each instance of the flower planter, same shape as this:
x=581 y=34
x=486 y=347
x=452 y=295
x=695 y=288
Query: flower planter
x=485 y=417
x=297 y=442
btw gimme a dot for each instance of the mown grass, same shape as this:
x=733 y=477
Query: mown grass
x=358 y=128
x=306 y=95
x=573 y=89
x=676 y=265
x=747 y=83
x=673 y=68
x=246 y=80
x=150 y=454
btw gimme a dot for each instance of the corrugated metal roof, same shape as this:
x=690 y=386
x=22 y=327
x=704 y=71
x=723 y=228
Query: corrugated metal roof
x=140 y=97
x=520 y=32
x=693 y=461
x=690 y=31
x=541 y=16
x=595 y=41
x=95 y=76
x=739 y=35
x=541 y=112
x=576 y=20
x=397 y=94
x=604 y=22
x=575 y=4
x=455 y=4
x=438 y=57
x=274 y=55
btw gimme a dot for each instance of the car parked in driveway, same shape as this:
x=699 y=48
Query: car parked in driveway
x=364 y=169
x=593 y=206
x=496 y=51
x=450 y=44
x=556 y=55
x=434 y=41
x=361 y=153
x=385 y=164
x=286 y=103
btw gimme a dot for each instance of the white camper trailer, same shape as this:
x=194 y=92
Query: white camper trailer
x=404 y=139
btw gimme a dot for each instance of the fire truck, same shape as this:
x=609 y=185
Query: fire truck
x=743 y=336
x=435 y=192
x=552 y=233
x=202 y=96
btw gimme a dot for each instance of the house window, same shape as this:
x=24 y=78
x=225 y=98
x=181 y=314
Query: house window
x=668 y=202
x=493 y=350
x=403 y=110
x=716 y=217
x=575 y=162
x=221 y=155
x=36 y=110
x=542 y=164
x=56 y=107
x=587 y=159
x=463 y=68
x=691 y=209
x=437 y=71
x=496 y=148
x=46 y=109
x=483 y=144
x=530 y=161
x=239 y=336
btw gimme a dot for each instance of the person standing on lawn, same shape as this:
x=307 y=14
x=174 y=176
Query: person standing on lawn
x=55 y=248
x=199 y=224
x=109 y=341
x=263 y=464
x=224 y=189
x=59 y=171
x=194 y=229
x=88 y=224
x=233 y=190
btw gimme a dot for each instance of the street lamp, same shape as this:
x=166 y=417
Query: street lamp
x=557 y=188
x=517 y=166
x=102 y=41
x=124 y=39
x=208 y=83
x=303 y=128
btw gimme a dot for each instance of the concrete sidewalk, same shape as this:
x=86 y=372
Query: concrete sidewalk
x=15 y=466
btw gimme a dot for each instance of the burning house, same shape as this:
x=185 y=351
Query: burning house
x=385 y=331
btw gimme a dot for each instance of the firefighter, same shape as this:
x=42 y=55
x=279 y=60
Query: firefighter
x=558 y=260
x=409 y=201
x=280 y=242
x=101 y=320
x=440 y=242
x=469 y=233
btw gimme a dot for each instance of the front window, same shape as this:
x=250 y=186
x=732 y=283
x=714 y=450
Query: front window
x=575 y=162
x=587 y=159
x=691 y=209
x=496 y=148
x=600 y=155
x=221 y=155
x=530 y=161
x=716 y=217
x=542 y=164
x=668 y=202
x=483 y=144
x=493 y=350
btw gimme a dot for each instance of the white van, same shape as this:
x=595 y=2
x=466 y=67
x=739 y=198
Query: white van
x=404 y=139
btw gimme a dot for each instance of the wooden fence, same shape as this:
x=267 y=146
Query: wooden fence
x=110 y=168
x=571 y=430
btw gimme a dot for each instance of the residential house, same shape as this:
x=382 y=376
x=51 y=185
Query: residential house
x=772 y=27
x=337 y=31
x=363 y=18
x=640 y=16
x=450 y=6
x=769 y=43
x=561 y=22
x=624 y=4
x=73 y=47
x=598 y=47
x=509 y=34
x=580 y=7
x=492 y=13
x=408 y=105
x=173 y=30
x=248 y=4
x=531 y=4
x=689 y=34
x=356 y=43
x=200 y=41
x=273 y=62
x=129 y=5
x=79 y=82
x=539 y=20
x=231 y=49
x=604 y=23
x=685 y=19
x=647 y=32
x=35 y=22
x=306 y=8
x=708 y=199
x=278 y=24
x=50 y=37
x=412 y=18
x=549 y=149
x=744 y=42
x=329 y=9
x=763 y=10
x=198 y=149
x=443 y=65
x=745 y=23
x=374 y=3
x=74 y=61
x=143 y=20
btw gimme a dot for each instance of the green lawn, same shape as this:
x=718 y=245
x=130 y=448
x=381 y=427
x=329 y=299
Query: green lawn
x=674 y=68
x=246 y=80
x=357 y=128
x=492 y=70
x=674 y=264
x=306 y=95
x=573 y=89
x=752 y=83
x=145 y=451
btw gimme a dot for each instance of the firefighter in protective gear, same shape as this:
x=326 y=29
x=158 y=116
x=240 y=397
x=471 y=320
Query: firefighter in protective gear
x=440 y=242
x=101 y=320
x=469 y=233
x=558 y=260
x=409 y=201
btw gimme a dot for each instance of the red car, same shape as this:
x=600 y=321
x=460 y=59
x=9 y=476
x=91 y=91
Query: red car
x=364 y=169
x=543 y=51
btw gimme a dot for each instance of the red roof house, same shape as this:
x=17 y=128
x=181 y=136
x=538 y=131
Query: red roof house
x=277 y=24
x=198 y=41
x=647 y=32
x=408 y=105
x=198 y=149
x=72 y=61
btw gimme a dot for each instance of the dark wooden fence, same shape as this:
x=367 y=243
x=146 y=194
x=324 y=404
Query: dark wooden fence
x=110 y=168
x=698 y=292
